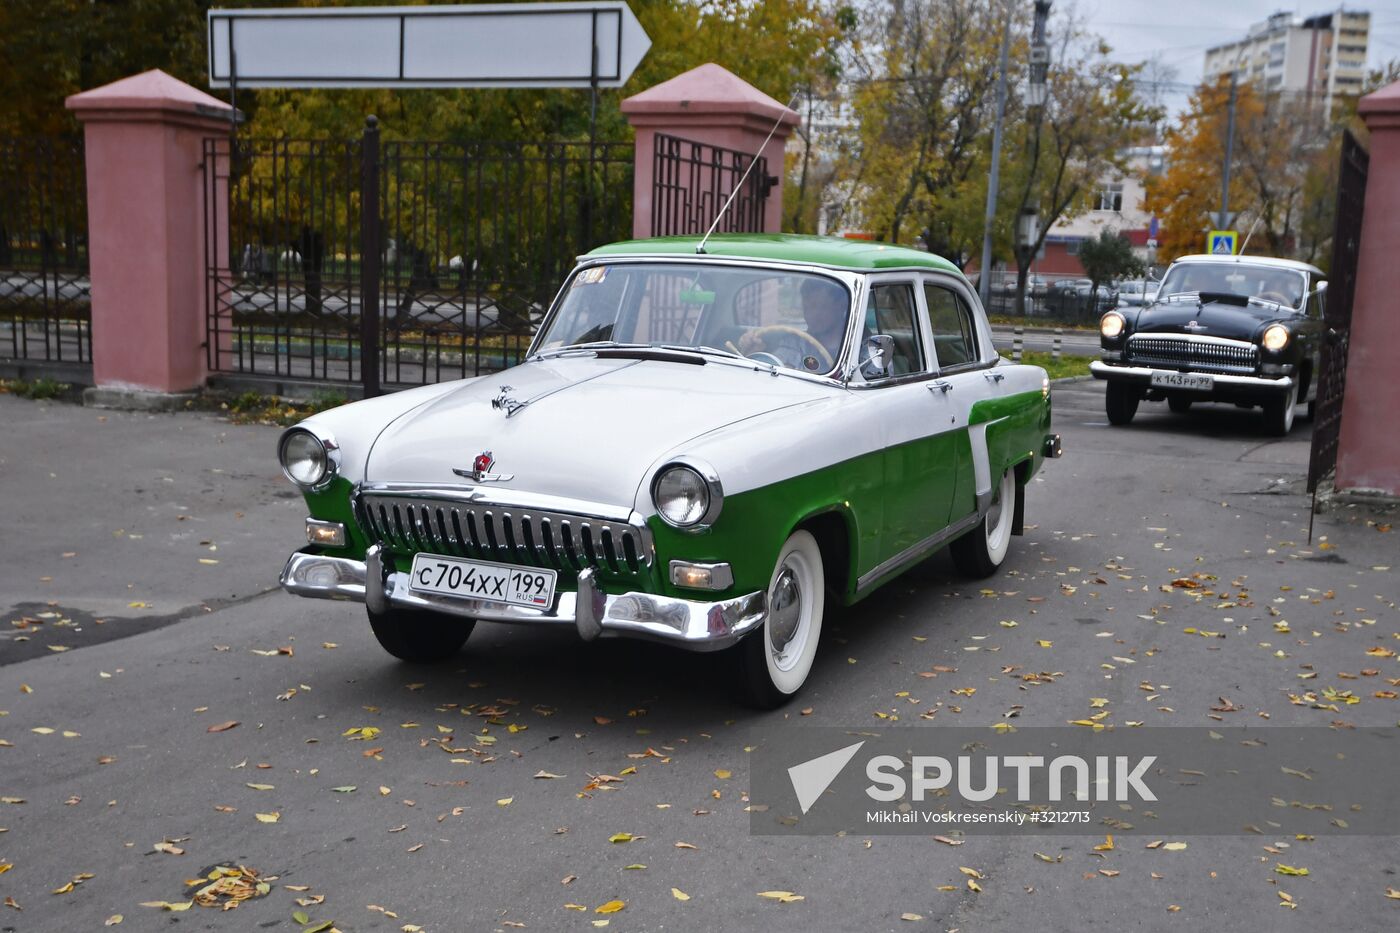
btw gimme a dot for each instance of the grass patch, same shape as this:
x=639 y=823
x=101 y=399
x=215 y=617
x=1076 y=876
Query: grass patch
x=35 y=388
x=256 y=408
x=1062 y=368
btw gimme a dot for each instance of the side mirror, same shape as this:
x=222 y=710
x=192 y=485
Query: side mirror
x=879 y=356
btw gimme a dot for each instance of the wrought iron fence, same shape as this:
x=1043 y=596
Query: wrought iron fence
x=1332 y=373
x=692 y=180
x=45 y=306
x=439 y=257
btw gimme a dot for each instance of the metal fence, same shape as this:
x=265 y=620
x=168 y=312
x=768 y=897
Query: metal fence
x=1053 y=298
x=430 y=260
x=1332 y=373
x=692 y=180
x=45 y=306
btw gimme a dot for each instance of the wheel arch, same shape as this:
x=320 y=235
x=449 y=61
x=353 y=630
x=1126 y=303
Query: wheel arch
x=834 y=528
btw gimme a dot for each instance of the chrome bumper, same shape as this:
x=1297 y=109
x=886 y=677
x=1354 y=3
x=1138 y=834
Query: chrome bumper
x=693 y=624
x=1102 y=370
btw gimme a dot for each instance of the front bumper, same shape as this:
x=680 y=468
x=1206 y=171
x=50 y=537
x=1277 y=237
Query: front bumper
x=693 y=624
x=1227 y=386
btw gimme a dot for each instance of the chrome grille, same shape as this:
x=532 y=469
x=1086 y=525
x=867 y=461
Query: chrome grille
x=1212 y=354
x=508 y=534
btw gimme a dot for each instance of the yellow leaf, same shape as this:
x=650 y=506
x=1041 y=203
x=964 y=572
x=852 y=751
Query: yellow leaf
x=167 y=905
x=782 y=897
x=1174 y=846
x=272 y=817
x=620 y=837
x=1105 y=846
x=723 y=775
x=1045 y=644
x=112 y=920
x=505 y=801
x=680 y=895
x=611 y=907
x=42 y=730
x=260 y=786
x=911 y=916
x=970 y=872
x=1283 y=869
x=974 y=886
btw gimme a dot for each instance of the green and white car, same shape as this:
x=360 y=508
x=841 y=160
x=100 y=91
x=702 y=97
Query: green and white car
x=701 y=448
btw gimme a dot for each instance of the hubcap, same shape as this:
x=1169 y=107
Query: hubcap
x=785 y=611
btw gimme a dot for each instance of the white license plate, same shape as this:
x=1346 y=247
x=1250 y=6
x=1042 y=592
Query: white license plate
x=1195 y=381
x=471 y=579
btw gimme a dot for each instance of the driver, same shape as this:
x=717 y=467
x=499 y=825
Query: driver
x=824 y=309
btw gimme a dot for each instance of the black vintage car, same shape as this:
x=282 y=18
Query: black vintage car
x=1241 y=329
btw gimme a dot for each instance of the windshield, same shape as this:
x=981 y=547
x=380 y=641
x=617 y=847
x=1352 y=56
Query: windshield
x=795 y=320
x=1267 y=283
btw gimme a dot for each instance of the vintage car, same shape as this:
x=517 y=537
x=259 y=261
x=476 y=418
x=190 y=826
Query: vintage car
x=701 y=448
x=1241 y=329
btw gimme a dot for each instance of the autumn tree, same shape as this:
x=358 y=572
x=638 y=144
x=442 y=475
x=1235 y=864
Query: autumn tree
x=1107 y=258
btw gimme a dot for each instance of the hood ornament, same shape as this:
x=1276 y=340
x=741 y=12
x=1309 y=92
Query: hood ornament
x=481 y=470
x=503 y=402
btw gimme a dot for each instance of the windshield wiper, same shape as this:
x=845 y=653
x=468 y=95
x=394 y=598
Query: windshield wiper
x=701 y=348
x=591 y=347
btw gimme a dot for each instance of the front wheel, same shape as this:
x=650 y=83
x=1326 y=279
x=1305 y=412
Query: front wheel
x=981 y=551
x=771 y=665
x=1121 y=402
x=420 y=637
x=1278 y=412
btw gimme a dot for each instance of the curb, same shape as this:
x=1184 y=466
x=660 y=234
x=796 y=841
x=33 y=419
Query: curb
x=136 y=399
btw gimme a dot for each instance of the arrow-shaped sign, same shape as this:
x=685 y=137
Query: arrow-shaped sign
x=811 y=778
x=481 y=45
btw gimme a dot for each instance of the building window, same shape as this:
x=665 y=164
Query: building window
x=1110 y=198
x=1072 y=247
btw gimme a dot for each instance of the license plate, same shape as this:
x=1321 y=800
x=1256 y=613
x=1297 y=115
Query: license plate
x=1182 y=381
x=495 y=583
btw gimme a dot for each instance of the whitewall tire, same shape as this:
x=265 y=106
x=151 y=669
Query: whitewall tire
x=981 y=551
x=772 y=664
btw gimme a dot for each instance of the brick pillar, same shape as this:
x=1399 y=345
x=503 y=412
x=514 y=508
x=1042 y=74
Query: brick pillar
x=1368 y=457
x=710 y=105
x=146 y=230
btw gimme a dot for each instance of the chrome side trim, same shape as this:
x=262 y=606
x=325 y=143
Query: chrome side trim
x=692 y=624
x=916 y=552
x=1103 y=370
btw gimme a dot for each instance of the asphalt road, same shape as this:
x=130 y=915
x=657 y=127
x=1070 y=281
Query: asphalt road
x=446 y=831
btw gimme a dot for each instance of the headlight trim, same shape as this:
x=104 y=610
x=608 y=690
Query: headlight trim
x=713 y=487
x=330 y=452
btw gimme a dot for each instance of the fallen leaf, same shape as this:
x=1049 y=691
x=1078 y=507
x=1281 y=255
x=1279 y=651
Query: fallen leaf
x=505 y=801
x=911 y=916
x=223 y=726
x=680 y=895
x=167 y=905
x=268 y=817
x=620 y=837
x=1283 y=869
x=112 y=920
x=611 y=907
x=782 y=897
x=722 y=774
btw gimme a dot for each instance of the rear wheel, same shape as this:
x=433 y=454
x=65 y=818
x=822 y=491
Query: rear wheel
x=420 y=637
x=1180 y=404
x=1278 y=412
x=772 y=664
x=1121 y=402
x=981 y=551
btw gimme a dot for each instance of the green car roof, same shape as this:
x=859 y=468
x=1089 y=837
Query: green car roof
x=832 y=252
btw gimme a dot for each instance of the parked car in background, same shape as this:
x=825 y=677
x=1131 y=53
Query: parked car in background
x=1135 y=292
x=706 y=442
x=1242 y=329
x=1071 y=299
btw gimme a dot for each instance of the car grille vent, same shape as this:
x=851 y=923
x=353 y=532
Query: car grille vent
x=505 y=533
x=1222 y=356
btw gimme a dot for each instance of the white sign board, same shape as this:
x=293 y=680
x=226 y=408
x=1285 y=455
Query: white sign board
x=482 y=45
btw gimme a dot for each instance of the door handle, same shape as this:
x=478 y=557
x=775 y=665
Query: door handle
x=941 y=386
x=994 y=377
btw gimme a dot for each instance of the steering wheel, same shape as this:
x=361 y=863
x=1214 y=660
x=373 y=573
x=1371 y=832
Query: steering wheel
x=1276 y=296
x=763 y=332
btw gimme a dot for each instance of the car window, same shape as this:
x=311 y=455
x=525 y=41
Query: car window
x=891 y=310
x=950 y=320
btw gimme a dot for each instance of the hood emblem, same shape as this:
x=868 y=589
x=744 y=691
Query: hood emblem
x=503 y=402
x=1192 y=325
x=481 y=470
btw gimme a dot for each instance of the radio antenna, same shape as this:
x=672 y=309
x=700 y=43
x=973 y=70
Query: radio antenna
x=700 y=249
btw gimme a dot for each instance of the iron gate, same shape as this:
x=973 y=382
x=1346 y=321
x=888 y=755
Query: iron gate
x=45 y=303
x=1332 y=374
x=393 y=263
x=691 y=182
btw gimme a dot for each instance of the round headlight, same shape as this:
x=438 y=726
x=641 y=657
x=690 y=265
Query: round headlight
x=682 y=496
x=1275 y=337
x=304 y=458
x=1112 y=324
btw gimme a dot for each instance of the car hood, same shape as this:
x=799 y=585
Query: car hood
x=591 y=427
x=1212 y=319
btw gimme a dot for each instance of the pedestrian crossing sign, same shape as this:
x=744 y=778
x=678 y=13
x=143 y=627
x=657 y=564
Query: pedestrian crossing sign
x=1222 y=242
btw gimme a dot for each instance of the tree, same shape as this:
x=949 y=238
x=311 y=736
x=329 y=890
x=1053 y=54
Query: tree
x=1107 y=258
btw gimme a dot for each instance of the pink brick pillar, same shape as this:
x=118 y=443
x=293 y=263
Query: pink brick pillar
x=1368 y=457
x=146 y=229
x=709 y=105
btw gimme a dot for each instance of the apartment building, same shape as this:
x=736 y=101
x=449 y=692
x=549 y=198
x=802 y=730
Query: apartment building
x=1321 y=56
